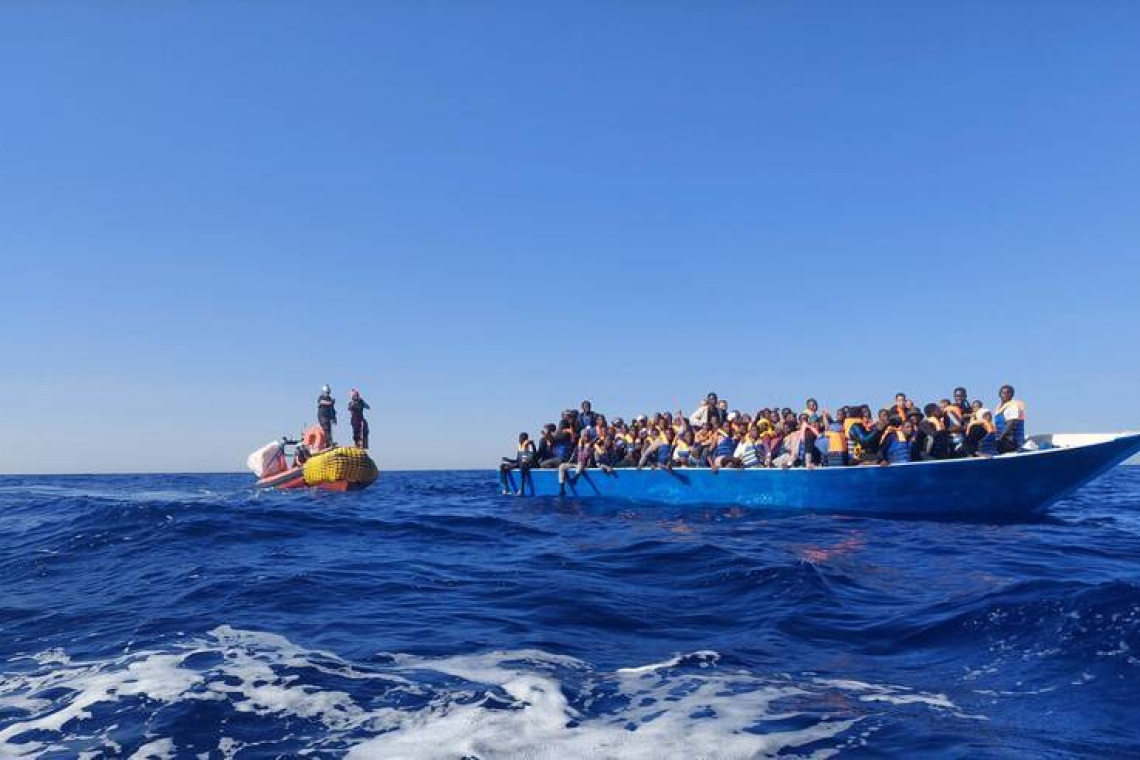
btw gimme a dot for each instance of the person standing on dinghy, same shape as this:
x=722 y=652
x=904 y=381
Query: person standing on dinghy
x=326 y=413
x=356 y=407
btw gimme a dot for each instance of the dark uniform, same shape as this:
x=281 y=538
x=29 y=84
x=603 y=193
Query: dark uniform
x=326 y=415
x=356 y=407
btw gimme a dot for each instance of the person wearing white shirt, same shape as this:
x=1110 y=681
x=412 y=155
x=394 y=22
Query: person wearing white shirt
x=1009 y=419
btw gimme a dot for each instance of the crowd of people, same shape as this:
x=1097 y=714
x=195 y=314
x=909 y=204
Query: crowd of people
x=715 y=437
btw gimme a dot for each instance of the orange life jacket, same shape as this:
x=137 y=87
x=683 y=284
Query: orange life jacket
x=989 y=426
x=314 y=439
x=892 y=429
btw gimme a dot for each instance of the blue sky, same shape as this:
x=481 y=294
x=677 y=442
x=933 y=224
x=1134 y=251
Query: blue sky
x=482 y=213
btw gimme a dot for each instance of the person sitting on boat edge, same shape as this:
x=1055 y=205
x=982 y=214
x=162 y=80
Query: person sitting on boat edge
x=896 y=442
x=750 y=451
x=605 y=456
x=665 y=448
x=836 y=439
x=524 y=459
x=723 y=450
x=932 y=441
x=954 y=421
x=1009 y=420
x=626 y=446
x=356 y=407
x=326 y=413
x=582 y=459
x=862 y=442
x=545 y=444
x=658 y=451
x=683 y=448
x=562 y=445
x=770 y=437
x=807 y=453
x=981 y=434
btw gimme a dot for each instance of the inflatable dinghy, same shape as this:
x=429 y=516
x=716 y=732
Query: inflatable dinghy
x=339 y=468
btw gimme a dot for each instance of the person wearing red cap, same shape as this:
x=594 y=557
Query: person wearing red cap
x=356 y=407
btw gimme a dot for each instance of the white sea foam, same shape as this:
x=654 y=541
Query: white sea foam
x=705 y=657
x=521 y=703
x=158 y=749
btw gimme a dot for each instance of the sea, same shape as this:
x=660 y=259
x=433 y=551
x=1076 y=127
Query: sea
x=189 y=616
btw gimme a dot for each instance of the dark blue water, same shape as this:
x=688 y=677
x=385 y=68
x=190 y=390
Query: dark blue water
x=429 y=617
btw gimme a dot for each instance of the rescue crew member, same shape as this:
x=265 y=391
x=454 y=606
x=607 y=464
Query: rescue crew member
x=326 y=413
x=356 y=407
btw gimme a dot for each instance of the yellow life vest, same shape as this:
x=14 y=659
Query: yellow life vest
x=836 y=442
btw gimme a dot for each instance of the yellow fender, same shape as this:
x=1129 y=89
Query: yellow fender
x=346 y=463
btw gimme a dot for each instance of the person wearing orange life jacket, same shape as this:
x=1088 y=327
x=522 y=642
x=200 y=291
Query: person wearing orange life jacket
x=964 y=405
x=981 y=434
x=896 y=442
x=932 y=441
x=721 y=454
x=953 y=418
x=1009 y=420
x=901 y=408
x=836 y=437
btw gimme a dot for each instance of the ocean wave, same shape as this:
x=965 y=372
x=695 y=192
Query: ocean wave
x=233 y=683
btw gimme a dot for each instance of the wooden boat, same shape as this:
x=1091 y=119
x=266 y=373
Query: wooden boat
x=1012 y=485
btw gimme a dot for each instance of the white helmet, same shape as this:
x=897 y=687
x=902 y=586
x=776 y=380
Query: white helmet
x=326 y=389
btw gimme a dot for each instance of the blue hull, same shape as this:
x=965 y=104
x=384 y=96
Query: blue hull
x=1013 y=485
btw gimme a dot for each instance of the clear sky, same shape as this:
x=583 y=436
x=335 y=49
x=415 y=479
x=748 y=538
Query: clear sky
x=481 y=213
